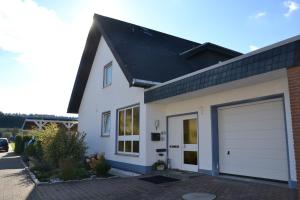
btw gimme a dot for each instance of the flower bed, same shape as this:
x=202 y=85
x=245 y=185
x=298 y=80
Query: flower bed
x=55 y=154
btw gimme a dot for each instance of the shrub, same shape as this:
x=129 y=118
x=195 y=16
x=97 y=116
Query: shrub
x=19 y=145
x=92 y=160
x=30 y=150
x=102 y=167
x=58 y=144
x=81 y=172
x=41 y=166
x=27 y=138
x=159 y=163
x=68 y=169
x=38 y=150
x=43 y=176
x=57 y=152
x=34 y=150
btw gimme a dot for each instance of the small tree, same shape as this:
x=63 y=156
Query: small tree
x=59 y=144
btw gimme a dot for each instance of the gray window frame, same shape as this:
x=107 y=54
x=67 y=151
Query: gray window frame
x=105 y=134
x=105 y=69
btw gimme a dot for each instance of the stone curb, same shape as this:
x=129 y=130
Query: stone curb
x=32 y=176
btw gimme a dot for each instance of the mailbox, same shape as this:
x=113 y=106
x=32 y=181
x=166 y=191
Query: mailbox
x=155 y=136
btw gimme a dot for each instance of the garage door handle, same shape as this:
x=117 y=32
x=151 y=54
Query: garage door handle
x=228 y=152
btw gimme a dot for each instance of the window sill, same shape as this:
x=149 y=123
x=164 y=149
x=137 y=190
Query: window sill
x=106 y=86
x=125 y=154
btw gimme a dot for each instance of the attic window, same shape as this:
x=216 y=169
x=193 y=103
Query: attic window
x=107 y=75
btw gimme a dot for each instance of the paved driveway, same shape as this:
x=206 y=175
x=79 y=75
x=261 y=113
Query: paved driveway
x=14 y=182
x=135 y=189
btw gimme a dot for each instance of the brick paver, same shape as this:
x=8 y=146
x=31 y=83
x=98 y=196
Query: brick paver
x=135 y=189
x=14 y=184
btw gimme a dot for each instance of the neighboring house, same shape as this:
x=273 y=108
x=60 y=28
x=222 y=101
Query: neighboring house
x=143 y=95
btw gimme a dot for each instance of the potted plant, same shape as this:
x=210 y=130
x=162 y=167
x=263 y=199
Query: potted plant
x=159 y=165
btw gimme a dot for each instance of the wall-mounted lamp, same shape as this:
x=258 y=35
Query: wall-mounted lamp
x=156 y=124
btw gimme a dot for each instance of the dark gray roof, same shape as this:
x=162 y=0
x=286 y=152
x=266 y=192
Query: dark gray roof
x=284 y=54
x=143 y=54
x=209 y=47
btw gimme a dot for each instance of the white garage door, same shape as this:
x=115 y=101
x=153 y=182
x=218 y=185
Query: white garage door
x=252 y=140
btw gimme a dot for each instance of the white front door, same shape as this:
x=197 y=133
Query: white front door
x=183 y=142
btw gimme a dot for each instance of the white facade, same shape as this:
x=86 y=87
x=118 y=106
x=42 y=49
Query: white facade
x=273 y=83
x=97 y=100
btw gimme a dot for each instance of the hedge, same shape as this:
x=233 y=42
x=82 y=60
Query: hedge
x=20 y=143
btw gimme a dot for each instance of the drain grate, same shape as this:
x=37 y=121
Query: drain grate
x=198 y=196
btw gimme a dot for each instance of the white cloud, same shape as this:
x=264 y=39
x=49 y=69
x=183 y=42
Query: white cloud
x=258 y=15
x=48 y=48
x=253 y=47
x=292 y=6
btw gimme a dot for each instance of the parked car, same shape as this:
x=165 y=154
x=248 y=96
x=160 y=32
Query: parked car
x=4 y=144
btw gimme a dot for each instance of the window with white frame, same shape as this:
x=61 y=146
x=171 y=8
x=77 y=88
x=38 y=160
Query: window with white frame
x=129 y=130
x=105 y=129
x=107 y=75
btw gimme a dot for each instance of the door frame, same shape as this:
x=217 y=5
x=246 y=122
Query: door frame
x=215 y=130
x=167 y=133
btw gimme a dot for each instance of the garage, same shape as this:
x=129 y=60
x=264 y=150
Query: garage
x=252 y=140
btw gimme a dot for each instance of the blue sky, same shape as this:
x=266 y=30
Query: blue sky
x=41 y=41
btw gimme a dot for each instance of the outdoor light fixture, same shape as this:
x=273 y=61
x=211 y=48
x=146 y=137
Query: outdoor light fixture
x=156 y=124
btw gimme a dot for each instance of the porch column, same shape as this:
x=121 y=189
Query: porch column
x=294 y=90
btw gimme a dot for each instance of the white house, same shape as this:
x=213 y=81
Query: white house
x=142 y=96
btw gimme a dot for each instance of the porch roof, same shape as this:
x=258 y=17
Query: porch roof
x=280 y=55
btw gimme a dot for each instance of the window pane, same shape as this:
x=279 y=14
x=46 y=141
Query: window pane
x=128 y=121
x=136 y=121
x=190 y=131
x=106 y=123
x=190 y=157
x=136 y=147
x=109 y=75
x=121 y=146
x=105 y=77
x=128 y=146
x=121 y=122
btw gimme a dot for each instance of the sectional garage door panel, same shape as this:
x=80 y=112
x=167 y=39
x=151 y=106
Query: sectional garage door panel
x=252 y=140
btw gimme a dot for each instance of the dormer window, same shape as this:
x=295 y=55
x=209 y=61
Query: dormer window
x=107 y=75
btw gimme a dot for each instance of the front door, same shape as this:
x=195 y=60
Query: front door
x=183 y=142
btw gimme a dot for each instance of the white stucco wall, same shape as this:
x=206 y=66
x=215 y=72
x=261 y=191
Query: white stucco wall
x=97 y=100
x=202 y=105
